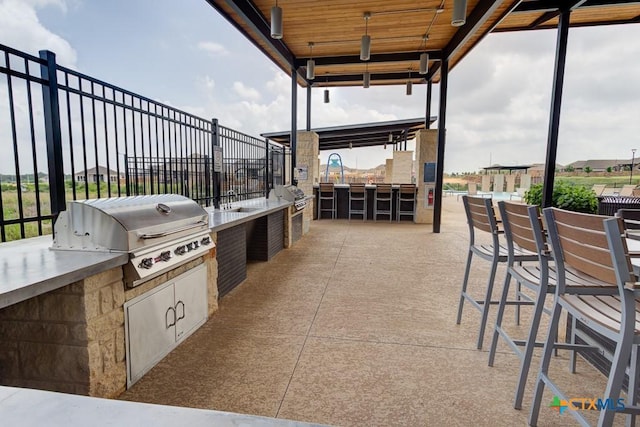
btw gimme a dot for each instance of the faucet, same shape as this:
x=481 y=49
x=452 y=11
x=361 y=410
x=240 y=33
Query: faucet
x=230 y=194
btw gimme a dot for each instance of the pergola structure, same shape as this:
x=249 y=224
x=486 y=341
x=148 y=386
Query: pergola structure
x=509 y=168
x=360 y=135
x=322 y=43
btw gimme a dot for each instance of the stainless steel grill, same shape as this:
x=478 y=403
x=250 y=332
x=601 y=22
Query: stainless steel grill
x=160 y=232
x=290 y=193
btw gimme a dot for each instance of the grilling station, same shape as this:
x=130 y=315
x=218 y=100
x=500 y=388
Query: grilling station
x=125 y=281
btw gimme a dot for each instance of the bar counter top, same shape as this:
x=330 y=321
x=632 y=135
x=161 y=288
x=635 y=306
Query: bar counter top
x=244 y=211
x=30 y=268
x=26 y=407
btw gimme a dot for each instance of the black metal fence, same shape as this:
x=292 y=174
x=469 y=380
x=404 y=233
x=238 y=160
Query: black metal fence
x=67 y=136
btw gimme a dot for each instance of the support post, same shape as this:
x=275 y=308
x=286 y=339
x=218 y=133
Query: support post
x=53 y=133
x=294 y=124
x=267 y=169
x=427 y=122
x=215 y=138
x=308 y=108
x=556 y=101
x=442 y=114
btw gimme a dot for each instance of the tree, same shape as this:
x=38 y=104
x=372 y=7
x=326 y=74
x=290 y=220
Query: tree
x=609 y=169
x=569 y=169
x=587 y=169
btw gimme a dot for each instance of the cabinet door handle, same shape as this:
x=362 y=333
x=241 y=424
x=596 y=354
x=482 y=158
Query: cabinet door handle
x=178 y=304
x=166 y=317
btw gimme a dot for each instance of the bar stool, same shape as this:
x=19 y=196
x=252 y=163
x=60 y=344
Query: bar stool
x=382 y=201
x=406 y=196
x=326 y=194
x=481 y=217
x=357 y=198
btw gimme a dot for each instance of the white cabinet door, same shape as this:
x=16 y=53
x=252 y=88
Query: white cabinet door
x=150 y=329
x=191 y=301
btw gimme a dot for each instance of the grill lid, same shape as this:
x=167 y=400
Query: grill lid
x=127 y=223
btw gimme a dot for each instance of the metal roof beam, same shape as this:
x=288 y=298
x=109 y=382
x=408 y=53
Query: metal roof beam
x=249 y=13
x=545 y=17
x=478 y=16
x=551 y=5
x=357 y=78
x=355 y=59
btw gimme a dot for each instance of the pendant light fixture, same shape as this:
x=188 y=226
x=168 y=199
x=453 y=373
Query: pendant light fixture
x=409 y=84
x=424 y=56
x=365 y=43
x=276 y=22
x=366 y=77
x=311 y=64
x=459 y=17
x=424 y=63
x=326 y=92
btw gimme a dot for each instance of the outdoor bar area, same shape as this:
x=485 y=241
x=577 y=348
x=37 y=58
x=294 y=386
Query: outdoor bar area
x=178 y=271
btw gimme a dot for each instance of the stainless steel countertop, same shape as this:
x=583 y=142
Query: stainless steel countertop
x=25 y=407
x=220 y=219
x=31 y=268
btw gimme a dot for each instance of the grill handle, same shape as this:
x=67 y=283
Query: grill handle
x=167 y=233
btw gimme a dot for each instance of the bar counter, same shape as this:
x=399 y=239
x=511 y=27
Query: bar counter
x=342 y=203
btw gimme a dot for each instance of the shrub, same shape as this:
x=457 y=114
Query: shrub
x=587 y=170
x=575 y=198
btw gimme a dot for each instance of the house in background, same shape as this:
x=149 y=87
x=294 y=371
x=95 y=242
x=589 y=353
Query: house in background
x=602 y=165
x=101 y=174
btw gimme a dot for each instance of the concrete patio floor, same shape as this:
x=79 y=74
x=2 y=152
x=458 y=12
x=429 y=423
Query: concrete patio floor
x=355 y=325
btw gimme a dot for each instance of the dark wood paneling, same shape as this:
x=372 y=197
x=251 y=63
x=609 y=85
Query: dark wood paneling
x=275 y=233
x=265 y=236
x=232 y=258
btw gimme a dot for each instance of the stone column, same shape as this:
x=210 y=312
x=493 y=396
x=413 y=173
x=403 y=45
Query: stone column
x=402 y=167
x=307 y=164
x=388 y=171
x=426 y=151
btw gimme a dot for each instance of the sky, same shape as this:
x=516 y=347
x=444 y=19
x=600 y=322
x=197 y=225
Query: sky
x=183 y=53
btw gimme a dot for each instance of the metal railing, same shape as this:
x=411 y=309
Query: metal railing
x=67 y=136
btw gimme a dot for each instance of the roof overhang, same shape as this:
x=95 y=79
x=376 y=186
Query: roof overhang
x=359 y=135
x=397 y=31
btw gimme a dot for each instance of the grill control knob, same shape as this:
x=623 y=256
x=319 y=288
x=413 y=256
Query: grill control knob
x=180 y=250
x=196 y=244
x=146 y=263
x=190 y=246
x=165 y=256
x=205 y=240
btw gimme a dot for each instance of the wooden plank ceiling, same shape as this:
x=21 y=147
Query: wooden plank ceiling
x=397 y=29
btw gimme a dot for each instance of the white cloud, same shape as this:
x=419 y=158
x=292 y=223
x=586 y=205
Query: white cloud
x=212 y=48
x=21 y=29
x=246 y=92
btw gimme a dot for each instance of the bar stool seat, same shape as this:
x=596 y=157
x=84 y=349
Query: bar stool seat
x=326 y=199
x=406 y=205
x=357 y=200
x=382 y=201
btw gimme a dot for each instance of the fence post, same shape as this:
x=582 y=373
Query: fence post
x=267 y=187
x=215 y=137
x=48 y=72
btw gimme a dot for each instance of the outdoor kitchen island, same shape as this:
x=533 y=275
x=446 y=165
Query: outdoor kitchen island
x=62 y=315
